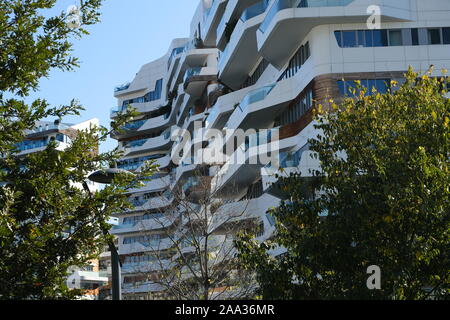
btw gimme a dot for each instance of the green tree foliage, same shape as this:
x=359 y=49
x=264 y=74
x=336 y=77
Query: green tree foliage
x=381 y=198
x=48 y=222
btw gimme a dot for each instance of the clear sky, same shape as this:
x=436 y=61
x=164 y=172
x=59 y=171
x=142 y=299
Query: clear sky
x=130 y=34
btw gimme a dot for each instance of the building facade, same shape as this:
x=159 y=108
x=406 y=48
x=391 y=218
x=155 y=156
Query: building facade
x=260 y=66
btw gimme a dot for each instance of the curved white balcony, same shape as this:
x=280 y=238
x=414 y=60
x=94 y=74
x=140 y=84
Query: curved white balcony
x=147 y=145
x=154 y=203
x=233 y=11
x=224 y=106
x=137 y=164
x=288 y=22
x=144 y=225
x=241 y=53
x=40 y=146
x=211 y=20
x=156 y=184
x=300 y=161
x=144 y=126
x=243 y=166
x=183 y=110
x=242 y=210
x=147 y=266
x=143 y=288
x=191 y=57
x=252 y=111
x=141 y=107
x=196 y=79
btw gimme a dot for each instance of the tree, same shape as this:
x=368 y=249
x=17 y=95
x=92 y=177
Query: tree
x=195 y=259
x=47 y=221
x=381 y=198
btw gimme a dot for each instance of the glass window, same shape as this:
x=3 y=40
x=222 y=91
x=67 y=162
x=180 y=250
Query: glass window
x=338 y=35
x=361 y=42
x=446 y=35
x=380 y=38
x=395 y=38
x=415 y=36
x=308 y=52
x=351 y=88
x=382 y=85
x=434 y=36
x=349 y=39
x=369 y=38
x=341 y=86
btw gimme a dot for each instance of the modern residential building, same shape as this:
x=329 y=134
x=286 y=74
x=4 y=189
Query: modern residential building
x=256 y=65
x=90 y=277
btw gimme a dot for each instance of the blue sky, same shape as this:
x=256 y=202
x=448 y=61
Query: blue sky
x=130 y=34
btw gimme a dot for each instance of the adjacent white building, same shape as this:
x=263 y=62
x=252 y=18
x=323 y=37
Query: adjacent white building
x=89 y=278
x=262 y=65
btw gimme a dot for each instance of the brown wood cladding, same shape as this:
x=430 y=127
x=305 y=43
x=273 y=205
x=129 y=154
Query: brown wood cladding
x=324 y=88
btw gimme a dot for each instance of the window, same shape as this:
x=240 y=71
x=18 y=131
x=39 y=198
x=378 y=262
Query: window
x=296 y=62
x=380 y=38
x=349 y=39
x=346 y=87
x=395 y=37
x=338 y=35
x=415 y=36
x=446 y=35
x=434 y=36
x=369 y=38
x=392 y=37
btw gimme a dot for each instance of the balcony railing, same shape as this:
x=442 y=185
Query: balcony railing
x=191 y=73
x=48 y=128
x=29 y=145
x=254 y=10
x=247 y=14
x=122 y=87
x=286 y=4
x=135 y=163
x=135 y=143
x=174 y=53
x=251 y=98
x=134 y=125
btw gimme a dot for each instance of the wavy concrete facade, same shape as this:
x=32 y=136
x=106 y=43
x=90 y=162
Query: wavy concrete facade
x=262 y=66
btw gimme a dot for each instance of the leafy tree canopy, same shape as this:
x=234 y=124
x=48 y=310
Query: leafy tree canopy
x=48 y=222
x=380 y=198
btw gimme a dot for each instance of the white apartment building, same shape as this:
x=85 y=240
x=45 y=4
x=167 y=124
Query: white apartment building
x=262 y=65
x=36 y=140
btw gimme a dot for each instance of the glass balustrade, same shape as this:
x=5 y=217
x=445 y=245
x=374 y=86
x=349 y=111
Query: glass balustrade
x=255 y=96
x=247 y=14
x=174 y=53
x=191 y=182
x=223 y=56
x=135 y=163
x=122 y=87
x=49 y=127
x=134 y=125
x=31 y=144
x=130 y=222
x=254 y=10
x=212 y=116
x=251 y=98
x=135 y=143
x=191 y=72
x=221 y=26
